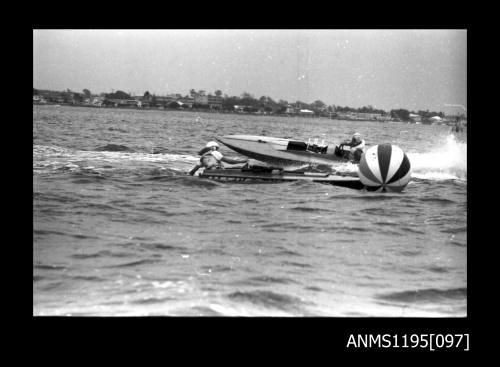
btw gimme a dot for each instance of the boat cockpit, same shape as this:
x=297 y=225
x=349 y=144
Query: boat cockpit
x=311 y=145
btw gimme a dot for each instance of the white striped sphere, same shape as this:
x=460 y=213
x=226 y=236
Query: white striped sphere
x=384 y=167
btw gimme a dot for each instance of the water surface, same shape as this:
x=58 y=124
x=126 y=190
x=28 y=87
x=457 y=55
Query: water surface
x=119 y=229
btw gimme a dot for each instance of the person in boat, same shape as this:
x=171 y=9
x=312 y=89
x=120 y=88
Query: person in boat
x=211 y=158
x=356 y=146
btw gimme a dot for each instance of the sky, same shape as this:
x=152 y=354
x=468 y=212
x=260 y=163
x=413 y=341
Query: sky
x=388 y=69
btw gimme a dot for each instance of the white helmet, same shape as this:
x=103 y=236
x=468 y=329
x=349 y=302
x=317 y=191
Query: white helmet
x=211 y=144
x=357 y=135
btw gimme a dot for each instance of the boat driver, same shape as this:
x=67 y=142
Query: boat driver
x=356 y=146
x=211 y=158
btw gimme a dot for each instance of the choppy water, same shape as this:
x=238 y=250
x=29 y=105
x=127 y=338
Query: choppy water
x=119 y=229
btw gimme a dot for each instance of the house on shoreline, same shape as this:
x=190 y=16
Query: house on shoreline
x=39 y=100
x=417 y=119
x=362 y=116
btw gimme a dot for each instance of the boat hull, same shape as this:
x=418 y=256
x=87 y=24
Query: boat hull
x=234 y=174
x=278 y=151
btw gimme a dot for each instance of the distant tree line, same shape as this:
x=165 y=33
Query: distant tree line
x=118 y=95
x=405 y=114
x=249 y=103
x=364 y=109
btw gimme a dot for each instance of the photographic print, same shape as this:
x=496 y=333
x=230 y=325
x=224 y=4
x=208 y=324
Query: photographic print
x=250 y=172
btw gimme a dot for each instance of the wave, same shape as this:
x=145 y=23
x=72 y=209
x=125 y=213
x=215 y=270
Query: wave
x=117 y=129
x=50 y=267
x=265 y=279
x=88 y=278
x=195 y=181
x=151 y=300
x=162 y=247
x=43 y=232
x=216 y=268
x=203 y=311
x=309 y=209
x=89 y=180
x=54 y=285
x=296 y=264
x=458 y=243
x=314 y=289
x=288 y=252
x=437 y=200
x=104 y=253
x=133 y=263
x=438 y=269
x=268 y=299
x=115 y=148
x=279 y=227
x=455 y=230
x=425 y=295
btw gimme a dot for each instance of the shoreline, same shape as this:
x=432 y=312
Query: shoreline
x=225 y=112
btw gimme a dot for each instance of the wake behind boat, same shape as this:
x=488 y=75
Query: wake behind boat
x=285 y=152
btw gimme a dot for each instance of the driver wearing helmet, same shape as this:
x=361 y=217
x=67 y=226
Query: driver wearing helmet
x=211 y=158
x=356 y=146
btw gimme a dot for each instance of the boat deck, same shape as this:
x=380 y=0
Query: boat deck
x=280 y=176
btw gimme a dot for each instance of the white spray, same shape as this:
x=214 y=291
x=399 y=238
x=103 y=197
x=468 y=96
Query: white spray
x=445 y=163
x=448 y=162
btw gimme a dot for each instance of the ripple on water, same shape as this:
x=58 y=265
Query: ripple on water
x=314 y=289
x=425 y=295
x=216 y=268
x=88 y=278
x=104 y=253
x=438 y=269
x=49 y=267
x=162 y=247
x=44 y=232
x=410 y=253
x=458 y=243
x=437 y=200
x=296 y=264
x=89 y=180
x=114 y=148
x=151 y=300
x=269 y=299
x=288 y=252
x=196 y=311
x=265 y=280
x=134 y=263
x=455 y=230
x=309 y=210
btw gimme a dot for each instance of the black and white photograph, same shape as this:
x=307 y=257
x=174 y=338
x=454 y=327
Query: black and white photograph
x=250 y=173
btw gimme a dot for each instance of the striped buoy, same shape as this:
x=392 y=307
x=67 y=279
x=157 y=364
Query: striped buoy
x=384 y=168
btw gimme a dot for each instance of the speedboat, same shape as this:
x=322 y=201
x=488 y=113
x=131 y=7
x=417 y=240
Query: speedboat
x=286 y=152
x=384 y=167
